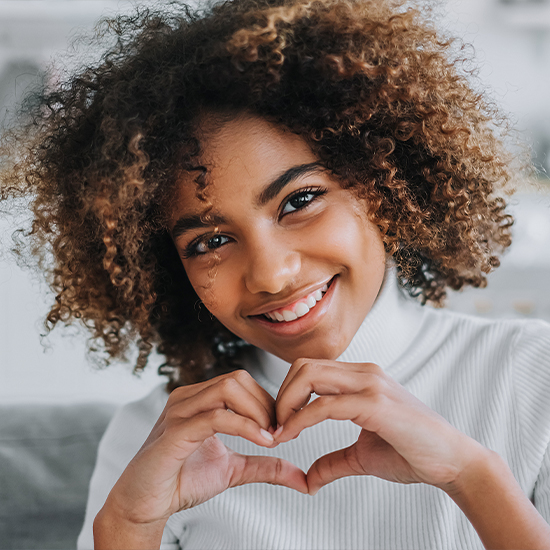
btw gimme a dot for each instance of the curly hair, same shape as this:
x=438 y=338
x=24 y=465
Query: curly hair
x=381 y=98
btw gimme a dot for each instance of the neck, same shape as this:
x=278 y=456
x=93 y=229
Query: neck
x=383 y=337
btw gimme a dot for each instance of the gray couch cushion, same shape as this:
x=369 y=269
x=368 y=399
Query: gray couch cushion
x=47 y=454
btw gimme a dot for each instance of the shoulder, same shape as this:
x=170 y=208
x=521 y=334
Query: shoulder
x=529 y=357
x=143 y=409
x=123 y=438
x=511 y=355
x=517 y=337
x=532 y=337
x=518 y=347
x=508 y=358
x=132 y=423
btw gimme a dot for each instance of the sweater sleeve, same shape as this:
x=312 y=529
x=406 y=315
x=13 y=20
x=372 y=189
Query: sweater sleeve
x=542 y=488
x=532 y=390
x=123 y=438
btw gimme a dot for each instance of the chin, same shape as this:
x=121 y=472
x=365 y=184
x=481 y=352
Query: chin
x=325 y=351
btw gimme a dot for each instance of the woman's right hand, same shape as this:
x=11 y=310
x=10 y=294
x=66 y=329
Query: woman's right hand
x=182 y=463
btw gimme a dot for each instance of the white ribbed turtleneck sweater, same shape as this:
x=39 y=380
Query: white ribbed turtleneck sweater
x=490 y=379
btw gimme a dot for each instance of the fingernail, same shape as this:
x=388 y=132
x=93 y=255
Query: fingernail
x=313 y=490
x=266 y=435
x=278 y=431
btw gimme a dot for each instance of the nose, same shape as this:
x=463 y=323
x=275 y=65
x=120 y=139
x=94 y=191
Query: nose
x=271 y=266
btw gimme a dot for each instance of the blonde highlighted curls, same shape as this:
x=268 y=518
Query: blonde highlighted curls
x=382 y=100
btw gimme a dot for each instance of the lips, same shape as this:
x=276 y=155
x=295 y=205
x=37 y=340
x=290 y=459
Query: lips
x=297 y=309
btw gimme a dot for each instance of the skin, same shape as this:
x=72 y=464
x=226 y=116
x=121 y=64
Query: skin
x=274 y=254
x=263 y=255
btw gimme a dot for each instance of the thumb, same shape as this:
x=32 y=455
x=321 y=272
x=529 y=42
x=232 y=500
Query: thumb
x=267 y=469
x=331 y=467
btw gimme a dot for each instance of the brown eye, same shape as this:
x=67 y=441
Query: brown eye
x=205 y=245
x=211 y=244
x=301 y=199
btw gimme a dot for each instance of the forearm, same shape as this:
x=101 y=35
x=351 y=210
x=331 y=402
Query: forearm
x=494 y=503
x=114 y=533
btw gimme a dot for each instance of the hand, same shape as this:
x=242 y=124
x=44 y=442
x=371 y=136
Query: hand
x=401 y=440
x=183 y=463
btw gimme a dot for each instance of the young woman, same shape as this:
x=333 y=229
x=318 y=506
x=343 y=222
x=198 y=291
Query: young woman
x=260 y=190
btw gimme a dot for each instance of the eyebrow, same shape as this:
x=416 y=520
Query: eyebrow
x=293 y=173
x=197 y=221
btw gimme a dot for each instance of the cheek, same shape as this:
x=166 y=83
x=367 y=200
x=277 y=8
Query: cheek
x=351 y=239
x=214 y=289
x=375 y=244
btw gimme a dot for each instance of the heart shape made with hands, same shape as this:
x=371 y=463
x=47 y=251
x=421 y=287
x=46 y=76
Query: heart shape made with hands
x=369 y=455
x=415 y=434
x=401 y=439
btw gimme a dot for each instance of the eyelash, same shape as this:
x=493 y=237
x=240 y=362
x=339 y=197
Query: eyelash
x=315 y=191
x=191 y=250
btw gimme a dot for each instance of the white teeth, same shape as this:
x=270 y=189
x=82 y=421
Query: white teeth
x=301 y=309
x=289 y=316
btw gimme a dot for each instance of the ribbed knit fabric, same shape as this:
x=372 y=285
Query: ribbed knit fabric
x=490 y=379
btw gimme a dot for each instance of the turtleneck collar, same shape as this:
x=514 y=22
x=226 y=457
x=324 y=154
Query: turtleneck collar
x=384 y=336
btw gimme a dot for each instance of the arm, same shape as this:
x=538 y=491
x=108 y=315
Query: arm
x=111 y=532
x=182 y=463
x=404 y=441
x=494 y=503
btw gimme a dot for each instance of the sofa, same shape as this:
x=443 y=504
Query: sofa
x=47 y=452
x=47 y=455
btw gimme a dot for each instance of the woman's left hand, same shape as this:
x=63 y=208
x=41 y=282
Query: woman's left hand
x=401 y=440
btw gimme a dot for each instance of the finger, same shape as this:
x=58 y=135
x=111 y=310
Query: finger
x=262 y=469
x=296 y=389
x=188 y=434
x=299 y=364
x=259 y=393
x=242 y=377
x=331 y=467
x=334 y=407
x=296 y=367
x=179 y=394
x=227 y=393
x=247 y=381
x=324 y=379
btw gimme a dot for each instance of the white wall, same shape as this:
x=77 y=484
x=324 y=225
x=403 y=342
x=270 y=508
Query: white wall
x=31 y=35
x=515 y=61
x=512 y=45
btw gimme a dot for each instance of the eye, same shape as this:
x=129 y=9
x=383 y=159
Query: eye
x=203 y=245
x=301 y=199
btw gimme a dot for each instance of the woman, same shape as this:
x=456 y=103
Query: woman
x=247 y=188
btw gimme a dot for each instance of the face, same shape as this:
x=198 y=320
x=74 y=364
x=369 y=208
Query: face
x=287 y=260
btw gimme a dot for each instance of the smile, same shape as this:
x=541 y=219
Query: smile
x=297 y=309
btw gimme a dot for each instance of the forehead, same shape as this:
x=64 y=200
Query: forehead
x=242 y=156
x=245 y=134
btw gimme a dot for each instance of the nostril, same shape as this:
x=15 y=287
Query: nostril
x=272 y=272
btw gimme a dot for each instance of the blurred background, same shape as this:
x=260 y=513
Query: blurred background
x=511 y=39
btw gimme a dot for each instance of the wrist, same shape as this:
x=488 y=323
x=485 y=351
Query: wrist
x=112 y=531
x=477 y=472
x=494 y=503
